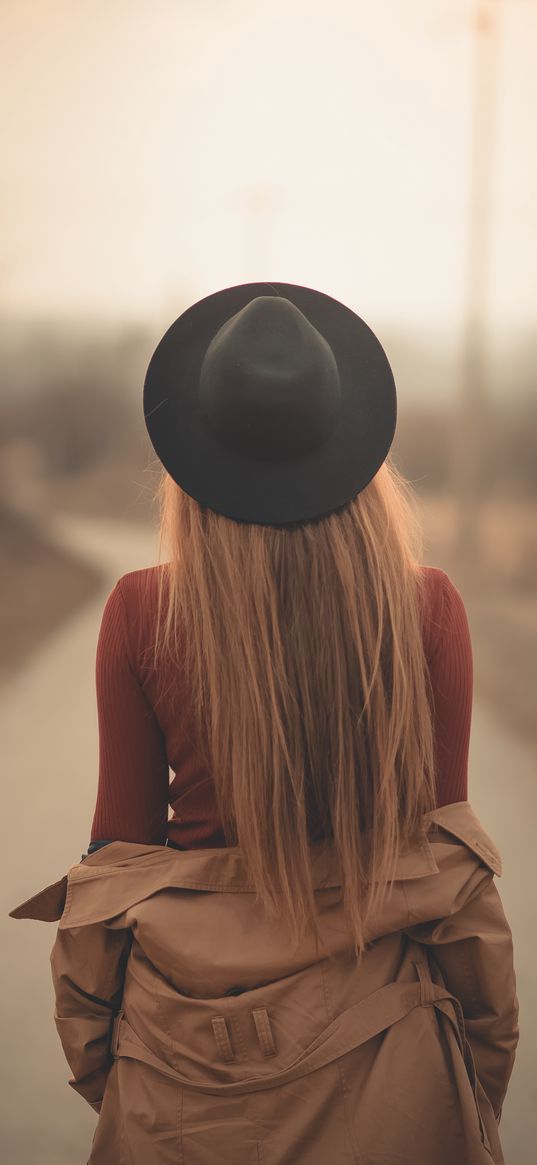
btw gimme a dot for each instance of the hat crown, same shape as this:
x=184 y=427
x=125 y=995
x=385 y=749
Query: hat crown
x=269 y=382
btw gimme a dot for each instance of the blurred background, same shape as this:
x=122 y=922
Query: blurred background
x=154 y=152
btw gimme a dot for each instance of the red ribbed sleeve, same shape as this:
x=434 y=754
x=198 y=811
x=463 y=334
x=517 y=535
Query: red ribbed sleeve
x=451 y=671
x=132 y=794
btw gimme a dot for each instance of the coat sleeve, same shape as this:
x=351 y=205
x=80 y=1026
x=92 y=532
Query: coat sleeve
x=88 y=967
x=472 y=949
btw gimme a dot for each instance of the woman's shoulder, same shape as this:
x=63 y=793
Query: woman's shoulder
x=444 y=611
x=437 y=583
x=141 y=584
x=139 y=590
x=132 y=604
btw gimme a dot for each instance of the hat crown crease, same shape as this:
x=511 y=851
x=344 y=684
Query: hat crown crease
x=269 y=381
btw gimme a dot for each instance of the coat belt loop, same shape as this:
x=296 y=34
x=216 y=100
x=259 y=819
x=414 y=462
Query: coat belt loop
x=221 y=1036
x=264 y=1031
x=425 y=983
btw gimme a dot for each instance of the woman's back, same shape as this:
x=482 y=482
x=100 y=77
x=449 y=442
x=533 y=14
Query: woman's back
x=143 y=734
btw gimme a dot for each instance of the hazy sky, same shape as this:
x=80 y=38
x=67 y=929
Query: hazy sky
x=155 y=150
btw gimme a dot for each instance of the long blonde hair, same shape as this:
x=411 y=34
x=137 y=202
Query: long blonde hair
x=301 y=650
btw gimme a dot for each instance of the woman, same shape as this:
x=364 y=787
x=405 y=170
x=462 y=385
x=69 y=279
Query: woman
x=310 y=960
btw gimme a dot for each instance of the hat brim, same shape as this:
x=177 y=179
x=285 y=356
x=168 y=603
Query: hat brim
x=267 y=492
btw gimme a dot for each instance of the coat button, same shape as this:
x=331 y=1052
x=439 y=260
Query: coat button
x=235 y=991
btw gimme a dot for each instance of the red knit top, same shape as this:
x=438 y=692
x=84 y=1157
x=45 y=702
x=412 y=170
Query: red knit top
x=142 y=736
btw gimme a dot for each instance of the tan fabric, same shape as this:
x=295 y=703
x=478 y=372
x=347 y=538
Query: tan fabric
x=403 y=1061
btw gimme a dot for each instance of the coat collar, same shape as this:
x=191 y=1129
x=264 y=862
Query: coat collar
x=119 y=874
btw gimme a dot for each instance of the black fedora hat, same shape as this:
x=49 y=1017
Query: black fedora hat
x=270 y=403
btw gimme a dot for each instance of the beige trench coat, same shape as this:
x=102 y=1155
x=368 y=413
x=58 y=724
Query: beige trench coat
x=200 y=1037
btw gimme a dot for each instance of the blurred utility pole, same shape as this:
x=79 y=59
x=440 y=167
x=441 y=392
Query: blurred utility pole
x=472 y=407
